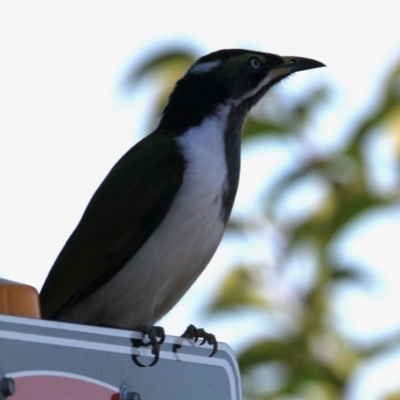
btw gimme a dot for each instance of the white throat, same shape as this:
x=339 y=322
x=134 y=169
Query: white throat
x=203 y=148
x=176 y=253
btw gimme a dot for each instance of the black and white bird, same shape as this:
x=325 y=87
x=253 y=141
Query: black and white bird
x=158 y=217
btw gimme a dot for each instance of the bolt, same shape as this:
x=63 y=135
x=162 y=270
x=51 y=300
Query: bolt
x=7 y=386
x=126 y=393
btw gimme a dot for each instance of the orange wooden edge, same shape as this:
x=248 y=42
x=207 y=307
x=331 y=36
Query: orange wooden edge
x=19 y=299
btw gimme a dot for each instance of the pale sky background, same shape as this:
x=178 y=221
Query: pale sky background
x=64 y=122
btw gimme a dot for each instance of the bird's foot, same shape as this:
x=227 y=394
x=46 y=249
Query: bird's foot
x=155 y=338
x=198 y=333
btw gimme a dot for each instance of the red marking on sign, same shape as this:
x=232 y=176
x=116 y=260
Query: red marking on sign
x=49 y=387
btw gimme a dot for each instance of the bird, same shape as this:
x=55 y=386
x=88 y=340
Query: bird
x=156 y=220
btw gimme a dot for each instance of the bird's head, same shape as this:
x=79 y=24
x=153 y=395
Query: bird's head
x=227 y=77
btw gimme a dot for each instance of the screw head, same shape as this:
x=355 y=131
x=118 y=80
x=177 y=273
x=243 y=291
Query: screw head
x=7 y=386
x=126 y=393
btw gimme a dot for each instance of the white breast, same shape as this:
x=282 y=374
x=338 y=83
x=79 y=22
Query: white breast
x=177 y=252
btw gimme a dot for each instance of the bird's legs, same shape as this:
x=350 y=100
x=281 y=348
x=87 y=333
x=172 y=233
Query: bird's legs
x=156 y=337
x=195 y=334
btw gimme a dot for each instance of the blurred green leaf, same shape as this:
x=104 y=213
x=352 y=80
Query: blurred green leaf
x=239 y=288
x=172 y=61
x=255 y=128
x=392 y=396
x=351 y=274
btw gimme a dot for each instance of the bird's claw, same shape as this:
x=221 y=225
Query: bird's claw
x=195 y=334
x=156 y=337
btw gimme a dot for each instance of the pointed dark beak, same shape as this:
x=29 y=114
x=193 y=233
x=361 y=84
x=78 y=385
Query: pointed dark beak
x=294 y=64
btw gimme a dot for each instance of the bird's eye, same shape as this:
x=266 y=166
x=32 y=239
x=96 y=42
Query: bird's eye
x=255 y=62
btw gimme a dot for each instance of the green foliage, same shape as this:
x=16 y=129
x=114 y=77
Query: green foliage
x=240 y=289
x=313 y=352
x=163 y=69
x=311 y=358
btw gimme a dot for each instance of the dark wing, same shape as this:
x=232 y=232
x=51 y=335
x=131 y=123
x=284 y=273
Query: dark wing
x=124 y=211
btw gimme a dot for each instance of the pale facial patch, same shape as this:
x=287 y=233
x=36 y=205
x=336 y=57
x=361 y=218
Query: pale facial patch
x=268 y=78
x=200 y=68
